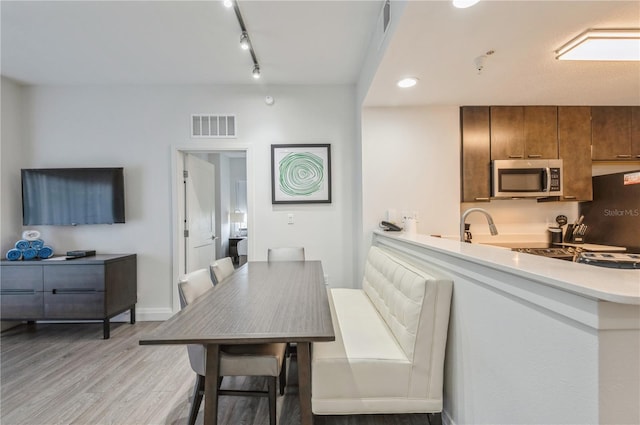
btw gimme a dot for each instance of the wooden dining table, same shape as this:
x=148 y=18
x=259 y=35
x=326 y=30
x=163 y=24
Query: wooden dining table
x=260 y=303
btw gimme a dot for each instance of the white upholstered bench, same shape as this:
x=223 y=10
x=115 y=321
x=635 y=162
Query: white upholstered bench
x=388 y=356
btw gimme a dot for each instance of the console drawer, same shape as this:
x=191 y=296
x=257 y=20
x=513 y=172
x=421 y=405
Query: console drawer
x=21 y=277
x=21 y=304
x=74 y=304
x=87 y=277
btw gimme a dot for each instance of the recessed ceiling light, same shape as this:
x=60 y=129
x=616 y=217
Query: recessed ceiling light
x=603 y=45
x=407 y=82
x=463 y=4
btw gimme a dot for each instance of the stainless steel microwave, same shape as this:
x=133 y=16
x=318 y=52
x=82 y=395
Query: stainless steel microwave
x=526 y=178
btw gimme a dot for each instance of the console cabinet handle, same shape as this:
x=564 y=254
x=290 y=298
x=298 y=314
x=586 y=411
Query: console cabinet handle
x=623 y=156
x=73 y=291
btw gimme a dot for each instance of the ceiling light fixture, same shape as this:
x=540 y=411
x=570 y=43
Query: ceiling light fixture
x=463 y=4
x=228 y=3
x=245 y=40
x=407 y=82
x=603 y=45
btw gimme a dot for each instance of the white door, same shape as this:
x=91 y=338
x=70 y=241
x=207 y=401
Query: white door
x=200 y=207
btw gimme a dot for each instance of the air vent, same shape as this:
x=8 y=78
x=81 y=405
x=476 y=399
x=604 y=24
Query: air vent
x=223 y=126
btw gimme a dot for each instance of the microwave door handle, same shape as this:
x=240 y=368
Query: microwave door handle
x=548 y=181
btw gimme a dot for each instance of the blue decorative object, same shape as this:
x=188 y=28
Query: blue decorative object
x=29 y=254
x=45 y=252
x=37 y=244
x=14 y=254
x=23 y=244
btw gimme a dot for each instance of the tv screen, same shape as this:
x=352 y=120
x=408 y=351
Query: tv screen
x=70 y=196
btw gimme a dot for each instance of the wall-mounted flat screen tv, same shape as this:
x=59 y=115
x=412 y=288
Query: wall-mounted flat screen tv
x=70 y=196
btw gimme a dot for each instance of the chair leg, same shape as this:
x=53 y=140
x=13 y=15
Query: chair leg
x=273 y=381
x=283 y=375
x=198 y=392
x=434 y=418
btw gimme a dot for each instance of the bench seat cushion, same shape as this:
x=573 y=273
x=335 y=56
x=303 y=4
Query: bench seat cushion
x=364 y=369
x=388 y=355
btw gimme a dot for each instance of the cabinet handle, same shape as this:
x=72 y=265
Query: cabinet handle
x=73 y=291
x=569 y=197
x=534 y=156
x=18 y=292
x=515 y=156
x=481 y=199
x=623 y=156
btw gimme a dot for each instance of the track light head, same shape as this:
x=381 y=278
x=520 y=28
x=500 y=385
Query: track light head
x=228 y=3
x=244 y=41
x=256 y=72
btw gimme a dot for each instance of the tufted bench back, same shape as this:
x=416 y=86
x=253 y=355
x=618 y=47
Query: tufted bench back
x=406 y=298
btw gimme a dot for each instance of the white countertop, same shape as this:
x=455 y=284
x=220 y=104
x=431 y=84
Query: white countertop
x=614 y=285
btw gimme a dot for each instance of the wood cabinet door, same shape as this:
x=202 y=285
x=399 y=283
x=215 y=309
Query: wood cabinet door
x=476 y=159
x=574 y=145
x=541 y=132
x=635 y=132
x=507 y=132
x=611 y=133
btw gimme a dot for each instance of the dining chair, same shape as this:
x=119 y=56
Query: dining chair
x=294 y=253
x=266 y=360
x=221 y=269
x=285 y=254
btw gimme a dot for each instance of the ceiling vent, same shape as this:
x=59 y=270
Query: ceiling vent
x=222 y=126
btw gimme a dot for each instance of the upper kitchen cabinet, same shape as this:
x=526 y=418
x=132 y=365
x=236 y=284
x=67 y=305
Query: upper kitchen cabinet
x=476 y=161
x=524 y=132
x=615 y=133
x=574 y=147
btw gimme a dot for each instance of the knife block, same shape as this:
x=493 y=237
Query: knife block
x=570 y=238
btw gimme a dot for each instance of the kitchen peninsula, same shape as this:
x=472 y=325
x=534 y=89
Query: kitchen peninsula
x=533 y=339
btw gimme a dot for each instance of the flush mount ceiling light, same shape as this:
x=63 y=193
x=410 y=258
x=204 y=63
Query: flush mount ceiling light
x=407 y=82
x=463 y=4
x=603 y=45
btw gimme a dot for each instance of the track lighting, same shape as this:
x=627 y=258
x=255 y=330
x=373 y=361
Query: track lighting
x=256 y=72
x=244 y=41
x=228 y=3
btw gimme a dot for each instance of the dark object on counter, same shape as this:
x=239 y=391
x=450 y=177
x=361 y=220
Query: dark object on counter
x=556 y=235
x=611 y=260
x=389 y=227
x=80 y=254
x=614 y=213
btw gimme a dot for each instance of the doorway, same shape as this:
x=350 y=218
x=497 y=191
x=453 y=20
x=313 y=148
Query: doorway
x=231 y=164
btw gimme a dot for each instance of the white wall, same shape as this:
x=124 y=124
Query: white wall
x=11 y=156
x=136 y=127
x=411 y=160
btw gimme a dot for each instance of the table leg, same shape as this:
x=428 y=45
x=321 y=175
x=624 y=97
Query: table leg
x=212 y=367
x=304 y=382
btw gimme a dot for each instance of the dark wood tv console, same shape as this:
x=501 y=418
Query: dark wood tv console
x=89 y=288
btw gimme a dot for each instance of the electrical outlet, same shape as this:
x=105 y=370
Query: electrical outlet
x=290 y=218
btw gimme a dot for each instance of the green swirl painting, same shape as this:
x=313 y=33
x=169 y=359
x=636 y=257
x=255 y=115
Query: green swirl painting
x=301 y=173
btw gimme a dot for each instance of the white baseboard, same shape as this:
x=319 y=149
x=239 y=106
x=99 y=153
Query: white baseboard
x=151 y=314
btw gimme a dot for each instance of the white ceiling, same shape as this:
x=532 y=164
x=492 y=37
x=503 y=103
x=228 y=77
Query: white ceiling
x=323 y=42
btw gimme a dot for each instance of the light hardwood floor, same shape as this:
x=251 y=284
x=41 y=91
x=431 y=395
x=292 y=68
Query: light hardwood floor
x=67 y=374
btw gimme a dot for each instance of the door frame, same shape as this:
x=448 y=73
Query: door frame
x=177 y=199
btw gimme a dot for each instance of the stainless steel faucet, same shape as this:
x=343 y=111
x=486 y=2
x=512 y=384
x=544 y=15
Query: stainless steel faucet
x=492 y=227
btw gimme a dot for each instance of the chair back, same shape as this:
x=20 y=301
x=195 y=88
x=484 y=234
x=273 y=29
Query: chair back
x=222 y=269
x=192 y=285
x=286 y=254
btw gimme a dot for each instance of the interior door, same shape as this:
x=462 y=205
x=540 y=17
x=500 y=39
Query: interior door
x=200 y=209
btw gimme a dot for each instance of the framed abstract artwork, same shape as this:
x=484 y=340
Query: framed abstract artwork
x=301 y=174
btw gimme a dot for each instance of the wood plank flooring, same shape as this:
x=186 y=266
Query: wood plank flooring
x=66 y=374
